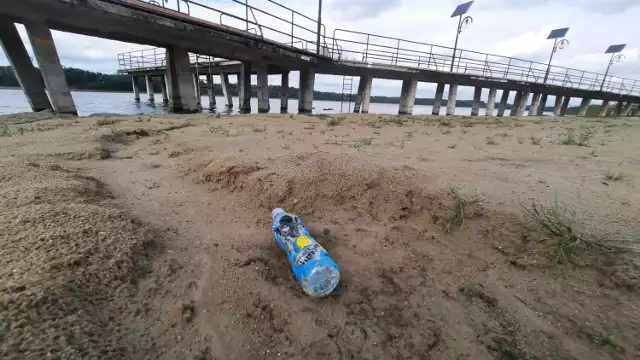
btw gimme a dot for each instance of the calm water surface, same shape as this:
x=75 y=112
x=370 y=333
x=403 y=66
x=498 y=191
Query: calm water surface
x=87 y=103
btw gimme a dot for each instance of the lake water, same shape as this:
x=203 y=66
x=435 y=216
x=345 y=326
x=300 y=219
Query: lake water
x=87 y=103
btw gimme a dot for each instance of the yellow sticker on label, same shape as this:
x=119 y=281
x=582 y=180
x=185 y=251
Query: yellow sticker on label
x=302 y=242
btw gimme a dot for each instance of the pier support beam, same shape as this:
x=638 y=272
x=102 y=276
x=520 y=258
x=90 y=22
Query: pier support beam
x=503 y=103
x=543 y=104
x=618 y=109
x=565 y=105
x=516 y=103
x=584 y=106
x=363 y=97
x=244 y=87
x=475 y=106
x=535 y=103
x=437 y=103
x=196 y=89
x=451 y=100
x=284 y=93
x=557 y=106
x=211 y=92
x=627 y=109
x=226 y=91
x=603 y=108
x=46 y=54
x=149 y=85
x=163 y=85
x=136 y=88
x=491 y=102
x=263 y=89
x=522 y=104
x=180 y=81
x=307 y=81
x=407 y=97
x=27 y=75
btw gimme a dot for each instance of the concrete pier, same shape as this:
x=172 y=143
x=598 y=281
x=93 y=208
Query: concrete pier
x=565 y=105
x=196 y=89
x=451 y=100
x=437 y=103
x=491 y=102
x=180 y=81
x=284 y=93
x=244 y=88
x=263 y=89
x=363 y=97
x=522 y=104
x=618 y=110
x=136 y=88
x=307 y=81
x=55 y=81
x=543 y=104
x=407 y=97
x=211 y=92
x=226 y=91
x=584 y=106
x=359 y=95
x=603 y=108
x=516 y=103
x=627 y=109
x=557 y=106
x=149 y=85
x=475 y=105
x=163 y=85
x=503 y=103
x=27 y=75
x=535 y=103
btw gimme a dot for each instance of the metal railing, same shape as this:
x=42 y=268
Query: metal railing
x=360 y=48
x=155 y=59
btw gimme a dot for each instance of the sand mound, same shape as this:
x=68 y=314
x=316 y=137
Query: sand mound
x=69 y=262
x=310 y=182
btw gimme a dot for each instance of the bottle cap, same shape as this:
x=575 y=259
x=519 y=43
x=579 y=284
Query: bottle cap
x=276 y=212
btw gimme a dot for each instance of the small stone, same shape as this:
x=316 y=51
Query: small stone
x=326 y=231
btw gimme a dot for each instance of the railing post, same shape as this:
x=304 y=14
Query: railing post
x=292 y=22
x=397 y=51
x=581 y=77
x=418 y=60
x=506 y=74
x=529 y=72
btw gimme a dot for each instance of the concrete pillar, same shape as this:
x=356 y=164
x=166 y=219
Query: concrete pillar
x=437 y=103
x=163 y=85
x=358 y=103
x=522 y=104
x=584 y=105
x=28 y=76
x=366 y=95
x=244 y=87
x=627 y=109
x=284 y=93
x=196 y=89
x=565 y=105
x=543 y=104
x=603 y=108
x=307 y=81
x=46 y=54
x=150 y=92
x=557 y=106
x=516 y=103
x=226 y=91
x=211 y=92
x=503 y=103
x=180 y=81
x=491 y=102
x=136 y=88
x=263 y=89
x=407 y=97
x=618 y=111
x=475 y=106
x=451 y=101
x=535 y=103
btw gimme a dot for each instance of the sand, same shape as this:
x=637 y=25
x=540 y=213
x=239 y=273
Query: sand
x=138 y=237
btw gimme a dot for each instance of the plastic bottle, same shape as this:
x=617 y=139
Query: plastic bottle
x=315 y=271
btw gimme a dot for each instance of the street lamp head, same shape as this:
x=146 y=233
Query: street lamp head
x=462 y=9
x=464 y=24
x=561 y=45
x=618 y=58
x=615 y=49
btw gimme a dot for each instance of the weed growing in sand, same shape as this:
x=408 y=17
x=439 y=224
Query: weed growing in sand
x=106 y=121
x=466 y=124
x=259 y=129
x=335 y=121
x=365 y=141
x=464 y=130
x=604 y=337
x=455 y=221
x=452 y=146
x=446 y=131
x=535 y=140
x=396 y=120
x=423 y=158
x=504 y=134
x=408 y=134
x=5 y=130
x=593 y=153
x=284 y=146
x=447 y=123
x=570 y=138
x=490 y=141
x=218 y=129
x=611 y=176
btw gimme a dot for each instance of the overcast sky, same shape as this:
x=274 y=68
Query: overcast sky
x=505 y=27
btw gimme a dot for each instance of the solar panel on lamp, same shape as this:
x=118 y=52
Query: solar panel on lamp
x=558 y=33
x=462 y=9
x=615 y=49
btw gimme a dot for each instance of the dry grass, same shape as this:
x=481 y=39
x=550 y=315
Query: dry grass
x=456 y=220
x=611 y=176
x=490 y=141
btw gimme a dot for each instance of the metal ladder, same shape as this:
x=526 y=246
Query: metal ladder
x=347 y=89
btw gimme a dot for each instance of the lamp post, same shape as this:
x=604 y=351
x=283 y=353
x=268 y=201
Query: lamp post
x=460 y=11
x=613 y=50
x=558 y=44
x=319 y=25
